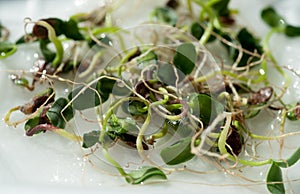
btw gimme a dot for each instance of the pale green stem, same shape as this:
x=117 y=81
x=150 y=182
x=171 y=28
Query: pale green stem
x=139 y=140
x=57 y=43
x=223 y=150
x=113 y=162
x=7 y=116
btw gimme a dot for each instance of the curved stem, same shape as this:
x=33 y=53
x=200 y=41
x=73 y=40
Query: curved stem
x=57 y=43
x=223 y=150
x=113 y=162
x=139 y=140
x=7 y=116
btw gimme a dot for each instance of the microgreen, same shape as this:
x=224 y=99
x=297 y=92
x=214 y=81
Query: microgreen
x=274 y=20
x=197 y=30
x=221 y=8
x=145 y=173
x=90 y=138
x=274 y=180
x=150 y=83
x=7 y=49
x=250 y=43
x=205 y=107
x=84 y=97
x=60 y=112
x=185 y=58
x=271 y=17
x=178 y=152
x=165 y=15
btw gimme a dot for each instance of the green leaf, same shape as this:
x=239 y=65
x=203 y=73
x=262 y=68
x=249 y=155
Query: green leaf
x=59 y=113
x=292 y=31
x=221 y=8
x=250 y=43
x=185 y=58
x=205 y=107
x=91 y=95
x=106 y=85
x=271 y=17
x=70 y=30
x=197 y=31
x=145 y=173
x=177 y=153
x=7 y=49
x=290 y=161
x=275 y=175
x=31 y=123
x=90 y=139
x=135 y=108
x=165 y=15
x=166 y=74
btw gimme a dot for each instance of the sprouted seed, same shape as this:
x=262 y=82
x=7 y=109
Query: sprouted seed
x=157 y=91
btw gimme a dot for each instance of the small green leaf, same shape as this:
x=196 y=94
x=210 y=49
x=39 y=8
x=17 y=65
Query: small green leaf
x=7 y=49
x=221 y=7
x=177 y=153
x=185 y=58
x=292 y=31
x=145 y=173
x=31 y=123
x=290 y=161
x=250 y=43
x=90 y=139
x=274 y=180
x=135 y=108
x=59 y=113
x=205 y=107
x=164 y=15
x=197 y=31
x=271 y=17
x=70 y=30
x=166 y=74
x=91 y=95
x=106 y=85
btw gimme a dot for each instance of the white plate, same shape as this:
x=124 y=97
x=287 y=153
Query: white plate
x=51 y=164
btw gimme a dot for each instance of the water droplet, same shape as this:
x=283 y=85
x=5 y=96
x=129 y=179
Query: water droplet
x=36 y=55
x=262 y=72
